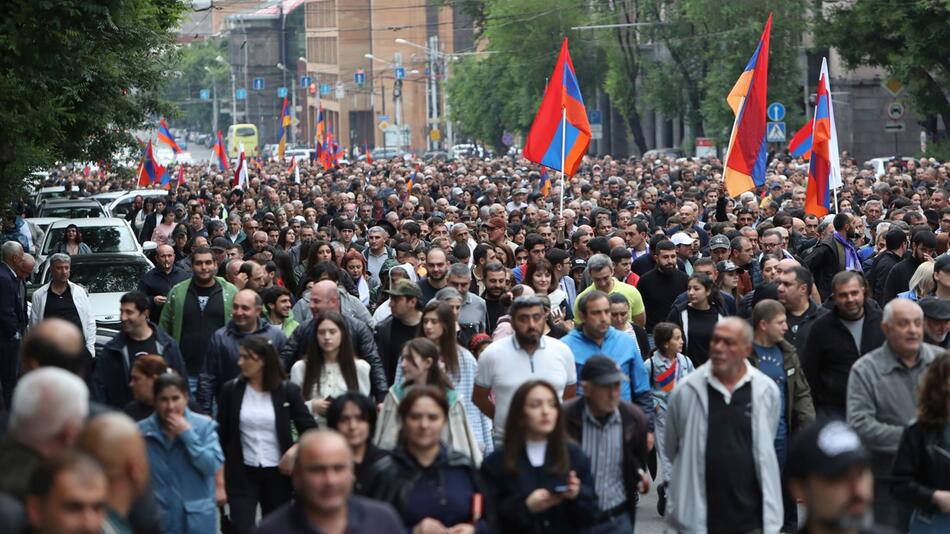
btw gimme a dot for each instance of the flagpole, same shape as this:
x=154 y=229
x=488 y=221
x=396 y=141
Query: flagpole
x=563 y=148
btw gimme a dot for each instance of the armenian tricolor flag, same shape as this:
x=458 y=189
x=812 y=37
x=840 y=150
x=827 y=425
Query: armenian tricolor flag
x=545 y=185
x=818 y=192
x=801 y=144
x=746 y=156
x=667 y=379
x=149 y=170
x=560 y=133
x=282 y=130
x=221 y=153
x=165 y=136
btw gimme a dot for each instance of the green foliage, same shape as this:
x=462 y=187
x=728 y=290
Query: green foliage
x=502 y=91
x=75 y=77
x=198 y=68
x=704 y=47
x=908 y=38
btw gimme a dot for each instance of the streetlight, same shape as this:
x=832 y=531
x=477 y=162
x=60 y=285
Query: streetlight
x=293 y=105
x=222 y=61
x=433 y=96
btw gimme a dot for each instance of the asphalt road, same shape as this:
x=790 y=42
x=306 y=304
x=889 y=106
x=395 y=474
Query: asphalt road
x=648 y=521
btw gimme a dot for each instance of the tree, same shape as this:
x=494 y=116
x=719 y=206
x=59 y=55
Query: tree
x=75 y=77
x=524 y=36
x=622 y=47
x=702 y=47
x=198 y=68
x=909 y=39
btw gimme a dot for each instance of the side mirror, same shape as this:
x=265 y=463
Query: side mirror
x=149 y=245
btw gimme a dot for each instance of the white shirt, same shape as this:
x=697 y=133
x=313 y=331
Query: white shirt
x=331 y=382
x=536 y=450
x=259 y=429
x=504 y=366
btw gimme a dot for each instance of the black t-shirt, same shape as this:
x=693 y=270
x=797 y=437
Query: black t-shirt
x=202 y=314
x=62 y=307
x=700 y=330
x=733 y=493
x=399 y=335
x=495 y=311
x=428 y=292
x=141 y=348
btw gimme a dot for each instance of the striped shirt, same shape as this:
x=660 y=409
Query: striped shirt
x=603 y=444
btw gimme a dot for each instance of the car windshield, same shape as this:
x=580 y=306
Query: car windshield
x=243 y=132
x=99 y=238
x=72 y=212
x=106 y=278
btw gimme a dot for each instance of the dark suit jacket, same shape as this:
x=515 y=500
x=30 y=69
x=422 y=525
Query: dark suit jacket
x=12 y=314
x=288 y=407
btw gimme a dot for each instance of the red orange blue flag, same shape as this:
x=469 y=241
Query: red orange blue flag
x=545 y=187
x=800 y=145
x=560 y=133
x=150 y=171
x=221 y=153
x=746 y=156
x=818 y=190
x=165 y=136
x=283 y=127
x=181 y=176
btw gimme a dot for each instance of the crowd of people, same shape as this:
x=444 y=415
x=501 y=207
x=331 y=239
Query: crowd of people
x=437 y=347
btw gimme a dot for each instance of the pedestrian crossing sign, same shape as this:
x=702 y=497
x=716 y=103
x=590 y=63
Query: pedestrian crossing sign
x=775 y=132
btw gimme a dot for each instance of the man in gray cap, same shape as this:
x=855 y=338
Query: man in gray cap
x=517 y=201
x=719 y=248
x=829 y=473
x=936 y=321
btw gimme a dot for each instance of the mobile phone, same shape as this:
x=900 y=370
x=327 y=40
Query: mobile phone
x=560 y=488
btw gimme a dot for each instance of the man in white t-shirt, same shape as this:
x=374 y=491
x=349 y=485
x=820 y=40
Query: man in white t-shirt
x=513 y=360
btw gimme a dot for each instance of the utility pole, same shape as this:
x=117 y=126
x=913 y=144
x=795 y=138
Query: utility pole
x=214 y=106
x=234 y=119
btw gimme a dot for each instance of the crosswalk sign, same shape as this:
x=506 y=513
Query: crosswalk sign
x=775 y=132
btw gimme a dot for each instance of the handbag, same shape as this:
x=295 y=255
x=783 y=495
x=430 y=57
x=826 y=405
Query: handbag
x=929 y=523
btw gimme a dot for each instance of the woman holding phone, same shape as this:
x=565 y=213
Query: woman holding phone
x=538 y=481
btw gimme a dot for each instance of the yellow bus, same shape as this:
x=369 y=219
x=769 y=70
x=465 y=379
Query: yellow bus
x=245 y=134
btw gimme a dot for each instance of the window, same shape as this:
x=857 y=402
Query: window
x=321 y=14
x=321 y=50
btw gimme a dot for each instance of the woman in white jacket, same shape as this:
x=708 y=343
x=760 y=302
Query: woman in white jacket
x=421 y=364
x=65 y=300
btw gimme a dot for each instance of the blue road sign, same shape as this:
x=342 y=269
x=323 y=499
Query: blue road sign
x=595 y=117
x=359 y=78
x=775 y=111
x=281 y=92
x=305 y=82
x=775 y=132
x=400 y=73
x=204 y=94
x=258 y=84
x=240 y=93
x=325 y=88
x=382 y=118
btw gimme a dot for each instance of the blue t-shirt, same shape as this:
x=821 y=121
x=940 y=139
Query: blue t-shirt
x=772 y=363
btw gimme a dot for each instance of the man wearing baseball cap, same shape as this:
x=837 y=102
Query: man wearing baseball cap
x=405 y=300
x=719 y=248
x=613 y=433
x=684 y=250
x=829 y=473
x=936 y=321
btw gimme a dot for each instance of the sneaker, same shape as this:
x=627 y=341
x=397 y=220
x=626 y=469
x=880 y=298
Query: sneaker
x=661 y=499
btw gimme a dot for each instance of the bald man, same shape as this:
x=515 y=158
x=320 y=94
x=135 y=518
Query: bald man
x=53 y=343
x=221 y=359
x=325 y=296
x=114 y=441
x=323 y=479
x=157 y=282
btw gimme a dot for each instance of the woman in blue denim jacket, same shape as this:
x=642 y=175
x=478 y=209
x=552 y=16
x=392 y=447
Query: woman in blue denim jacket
x=184 y=455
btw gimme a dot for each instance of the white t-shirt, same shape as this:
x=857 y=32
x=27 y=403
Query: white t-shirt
x=331 y=382
x=504 y=366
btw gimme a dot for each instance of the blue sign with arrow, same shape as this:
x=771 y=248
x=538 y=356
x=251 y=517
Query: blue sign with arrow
x=258 y=84
x=775 y=111
x=305 y=82
x=240 y=93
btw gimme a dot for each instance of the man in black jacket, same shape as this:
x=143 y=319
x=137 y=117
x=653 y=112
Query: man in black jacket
x=895 y=245
x=598 y=416
x=324 y=296
x=922 y=246
x=851 y=328
x=394 y=331
x=831 y=255
x=139 y=337
x=13 y=316
x=157 y=282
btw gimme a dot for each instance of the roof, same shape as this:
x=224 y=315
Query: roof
x=109 y=257
x=270 y=10
x=87 y=222
x=71 y=201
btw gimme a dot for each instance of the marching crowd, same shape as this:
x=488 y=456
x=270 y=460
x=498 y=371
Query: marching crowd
x=440 y=348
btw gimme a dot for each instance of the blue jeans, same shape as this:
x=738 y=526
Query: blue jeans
x=620 y=524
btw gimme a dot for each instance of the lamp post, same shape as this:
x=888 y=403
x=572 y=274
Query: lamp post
x=293 y=104
x=234 y=120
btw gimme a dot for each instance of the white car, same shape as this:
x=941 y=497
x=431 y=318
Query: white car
x=38 y=227
x=121 y=205
x=102 y=234
x=880 y=164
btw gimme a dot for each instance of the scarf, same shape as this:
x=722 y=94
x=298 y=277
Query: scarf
x=852 y=262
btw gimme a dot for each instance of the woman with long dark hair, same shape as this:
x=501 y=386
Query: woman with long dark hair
x=921 y=475
x=421 y=364
x=433 y=487
x=354 y=416
x=438 y=325
x=255 y=413
x=538 y=481
x=71 y=243
x=367 y=288
x=331 y=367
x=163 y=230
x=698 y=316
